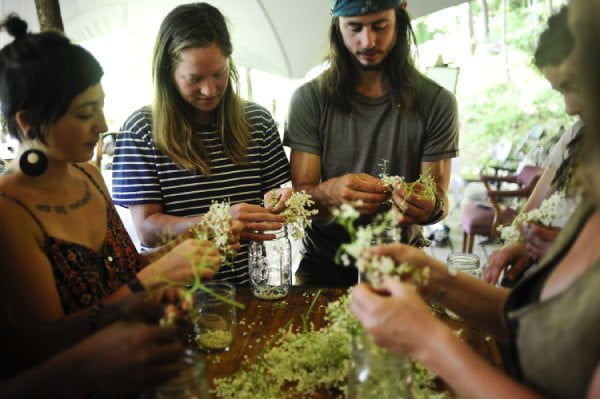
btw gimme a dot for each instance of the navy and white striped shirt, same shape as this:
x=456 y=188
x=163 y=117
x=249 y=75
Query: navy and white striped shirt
x=144 y=175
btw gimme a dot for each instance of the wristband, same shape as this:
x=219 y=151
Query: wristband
x=437 y=212
x=135 y=285
x=94 y=316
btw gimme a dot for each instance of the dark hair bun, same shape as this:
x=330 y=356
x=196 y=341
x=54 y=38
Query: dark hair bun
x=15 y=26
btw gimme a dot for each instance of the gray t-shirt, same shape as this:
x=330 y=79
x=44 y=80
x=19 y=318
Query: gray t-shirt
x=359 y=142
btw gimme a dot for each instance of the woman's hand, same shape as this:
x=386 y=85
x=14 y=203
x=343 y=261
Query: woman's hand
x=539 y=239
x=512 y=258
x=402 y=253
x=137 y=307
x=278 y=196
x=256 y=220
x=234 y=235
x=395 y=316
x=182 y=263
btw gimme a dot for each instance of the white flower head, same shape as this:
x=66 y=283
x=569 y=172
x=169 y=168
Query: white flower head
x=297 y=213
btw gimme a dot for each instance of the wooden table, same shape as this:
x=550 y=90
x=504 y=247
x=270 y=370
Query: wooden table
x=262 y=319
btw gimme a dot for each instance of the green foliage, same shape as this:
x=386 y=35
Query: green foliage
x=500 y=93
x=499 y=115
x=423 y=33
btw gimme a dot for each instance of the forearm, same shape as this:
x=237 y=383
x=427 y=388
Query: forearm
x=152 y=255
x=36 y=342
x=158 y=228
x=469 y=375
x=477 y=302
x=441 y=171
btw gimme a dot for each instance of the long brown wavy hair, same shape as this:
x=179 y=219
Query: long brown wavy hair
x=337 y=82
x=185 y=27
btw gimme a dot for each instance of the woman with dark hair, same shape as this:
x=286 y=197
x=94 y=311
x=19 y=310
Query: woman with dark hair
x=550 y=319
x=199 y=142
x=62 y=244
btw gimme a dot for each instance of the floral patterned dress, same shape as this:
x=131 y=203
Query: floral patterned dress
x=82 y=275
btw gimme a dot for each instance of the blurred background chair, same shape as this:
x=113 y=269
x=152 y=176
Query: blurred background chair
x=484 y=218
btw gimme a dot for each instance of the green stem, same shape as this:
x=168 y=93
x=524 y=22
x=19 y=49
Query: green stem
x=310 y=308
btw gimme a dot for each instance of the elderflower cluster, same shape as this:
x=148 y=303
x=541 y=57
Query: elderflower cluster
x=423 y=187
x=298 y=364
x=374 y=270
x=377 y=270
x=545 y=215
x=297 y=213
x=215 y=226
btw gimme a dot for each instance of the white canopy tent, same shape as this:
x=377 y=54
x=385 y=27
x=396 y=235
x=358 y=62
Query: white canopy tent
x=283 y=37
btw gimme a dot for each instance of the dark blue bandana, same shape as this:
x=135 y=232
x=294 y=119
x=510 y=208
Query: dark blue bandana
x=350 y=8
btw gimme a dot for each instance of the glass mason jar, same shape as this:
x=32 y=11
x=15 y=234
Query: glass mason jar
x=215 y=319
x=392 y=234
x=270 y=264
x=466 y=263
x=376 y=373
x=388 y=236
x=189 y=384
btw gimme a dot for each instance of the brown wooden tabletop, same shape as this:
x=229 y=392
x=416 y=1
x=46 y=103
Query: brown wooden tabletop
x=261 y=319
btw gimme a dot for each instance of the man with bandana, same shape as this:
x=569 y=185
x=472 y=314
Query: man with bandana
x=369 y=108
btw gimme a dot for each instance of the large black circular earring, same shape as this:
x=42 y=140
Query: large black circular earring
x=33 y=162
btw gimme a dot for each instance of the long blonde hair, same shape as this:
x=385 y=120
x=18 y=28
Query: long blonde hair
x=185 y=27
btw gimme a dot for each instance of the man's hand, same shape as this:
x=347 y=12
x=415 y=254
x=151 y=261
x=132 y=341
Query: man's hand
x=412 y=206
x=355 y=187
x=538 y=239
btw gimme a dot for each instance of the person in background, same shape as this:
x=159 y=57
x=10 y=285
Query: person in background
x=199 y=142
x=63 y=248
x=370 y=107
x=550 y=319
x=554 y=46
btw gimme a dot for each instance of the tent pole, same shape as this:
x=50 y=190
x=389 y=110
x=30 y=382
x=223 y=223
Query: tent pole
x=48 y=12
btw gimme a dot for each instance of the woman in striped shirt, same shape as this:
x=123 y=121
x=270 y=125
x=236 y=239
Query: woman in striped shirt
x=199 y=142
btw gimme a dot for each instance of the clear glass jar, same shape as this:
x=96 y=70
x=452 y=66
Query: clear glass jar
x=467 y=263
x=215 y=320
x=388 y=236
x=270 y=264
x=376 y=373
x=189 y=384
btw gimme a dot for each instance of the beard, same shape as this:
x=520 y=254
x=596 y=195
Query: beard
x=375 y=67
x=371 y=67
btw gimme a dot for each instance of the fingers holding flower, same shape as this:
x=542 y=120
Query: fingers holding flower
x=276 y=198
